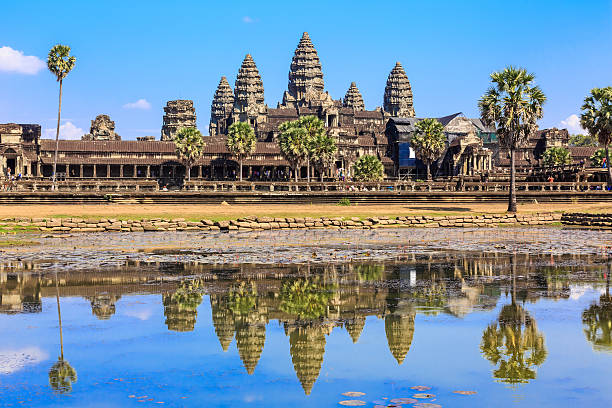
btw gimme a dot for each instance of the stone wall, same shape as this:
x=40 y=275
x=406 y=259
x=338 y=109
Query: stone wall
x=269 y=223
x=588 y=220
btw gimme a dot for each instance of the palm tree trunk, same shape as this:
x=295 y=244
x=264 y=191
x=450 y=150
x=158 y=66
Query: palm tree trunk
x=428 y=166
x=241 y=169
x=189 y=173
x=608 y=165
x=59 y=316
x=308 y=169
x=513 y=269
x=512 y=195
x=59 y=115
x=295 y=172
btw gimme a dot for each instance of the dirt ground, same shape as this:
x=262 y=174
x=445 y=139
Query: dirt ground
x=218 y=212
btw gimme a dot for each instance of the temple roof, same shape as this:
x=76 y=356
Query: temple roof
x=305 y=72
x=353 y=98
x=398 y=93
x=223 y=101
x=248 y=89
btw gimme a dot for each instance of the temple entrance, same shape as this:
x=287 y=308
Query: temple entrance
x=11 y=164
x=10 y=156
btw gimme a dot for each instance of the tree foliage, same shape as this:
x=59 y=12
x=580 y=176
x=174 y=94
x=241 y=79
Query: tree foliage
x=596 y=117
x=583 y=140
x=293 y=144
x=189 y=144
x=305 y=298
x=368 y=168
x=61 y=376
x=60 y=62
x=513 y=104
x=556 y=156
x=241 y=141
x=598 y=158
x=428 y=142
x=323 y=152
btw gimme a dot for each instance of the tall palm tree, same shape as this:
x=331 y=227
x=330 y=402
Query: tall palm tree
x=293 y=145
x=596 y=117
x=315 y=132
x=513 y=105
x=61 y=374
x=241 y=141
x=428 y=142
x=324 y=151
x=597 y=320
x=60 y=63
x=189 y=144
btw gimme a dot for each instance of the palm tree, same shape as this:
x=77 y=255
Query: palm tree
x=293 y=145
x=368 y=168
x=324 y=150
x=596 y=117
x=189 y=144
x=429 y=142
x=61 y=374
x=513 y=343
x=60 y=63
x=597 y=320
x=513 y=105
x=241 y=141
x=315 y=134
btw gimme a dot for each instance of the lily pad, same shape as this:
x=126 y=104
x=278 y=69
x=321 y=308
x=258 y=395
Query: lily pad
x=465 y=392
x=420 y=388
x=423 y=396
x=353 y=394
x=403 y=400
x=426 y=405
x=352 y=403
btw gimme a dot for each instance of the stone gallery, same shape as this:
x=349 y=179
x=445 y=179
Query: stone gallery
x=385 y=132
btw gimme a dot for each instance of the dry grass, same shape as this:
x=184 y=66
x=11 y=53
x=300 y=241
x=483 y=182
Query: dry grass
x=219 y=212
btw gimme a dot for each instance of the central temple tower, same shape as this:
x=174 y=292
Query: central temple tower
x=305 y=74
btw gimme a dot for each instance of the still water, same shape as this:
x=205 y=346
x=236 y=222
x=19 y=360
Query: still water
x=518 y=330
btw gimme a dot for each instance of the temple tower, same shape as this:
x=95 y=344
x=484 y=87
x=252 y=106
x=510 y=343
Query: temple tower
x=249 y=94
x=307 y=348
x=399 y=330
x=305 y=74
x=398 y=93
x=250 y=341
x=353 y=98
x=223 y=320
x=177 y=114
x=221 y=109
x=102 y=128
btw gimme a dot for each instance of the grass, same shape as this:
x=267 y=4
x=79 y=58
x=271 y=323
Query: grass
x=16 y=243
x=13 y=229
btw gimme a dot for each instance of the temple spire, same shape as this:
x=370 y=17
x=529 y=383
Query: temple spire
x=221 y=108
x=398 y=93
x=353 y=98
x=248 y=90
x=305 y=74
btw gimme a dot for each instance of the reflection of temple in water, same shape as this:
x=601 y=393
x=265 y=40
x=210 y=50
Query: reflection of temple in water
x=310 y=301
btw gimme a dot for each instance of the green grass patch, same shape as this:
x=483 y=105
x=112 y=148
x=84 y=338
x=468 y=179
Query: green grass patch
x=17 y=243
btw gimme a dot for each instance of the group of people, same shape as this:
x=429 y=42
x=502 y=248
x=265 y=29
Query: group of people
x=10 y=180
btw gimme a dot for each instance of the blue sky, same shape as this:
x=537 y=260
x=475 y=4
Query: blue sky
x=161 y=50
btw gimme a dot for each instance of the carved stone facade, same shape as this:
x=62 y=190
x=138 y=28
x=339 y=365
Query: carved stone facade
x=222 y=105
x=249 y=94
x=177 y=114
x=102 y=128
x=353 y=98
x=398 y=94
x=305 y=73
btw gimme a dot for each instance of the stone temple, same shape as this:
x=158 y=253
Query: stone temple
x=386 y=131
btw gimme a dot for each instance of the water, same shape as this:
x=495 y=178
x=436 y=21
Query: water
x=519 y=330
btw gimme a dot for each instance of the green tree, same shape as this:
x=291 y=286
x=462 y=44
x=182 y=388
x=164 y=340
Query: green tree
x=61 y=376
x=368 y=168
x=293 y=144
x=189 y=144
x=596 y=117
x=305 y=298
x=556 y=156
x=583 y=140
x=428 y=142
x=598 y=158
x=60 y=63
x=315 y=135
x=241 y=141
x=513 y=105
x=597 y=320
x=323 y=152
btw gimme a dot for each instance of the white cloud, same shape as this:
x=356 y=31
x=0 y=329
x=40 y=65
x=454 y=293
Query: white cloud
x=247 y=19
x=14 y=61
x=140 y=314
x=572 y=123
x=68 y=131
x=15 y=360
x=139 y=104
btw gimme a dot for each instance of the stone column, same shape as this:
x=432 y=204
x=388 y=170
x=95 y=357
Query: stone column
x=135 y=173
x=95 y=170
x=148 y=170
x=108 y=171
x=38 y=169
x=121 y=170
x=81 y=171
x=199 y=172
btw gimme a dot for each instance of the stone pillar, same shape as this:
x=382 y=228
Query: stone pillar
x=95 y=170
x=81 y=171
x=199 y=172
x=121 y=170
x=148 y=170
x=135 y=173
x=108 y=171
x=38 y=169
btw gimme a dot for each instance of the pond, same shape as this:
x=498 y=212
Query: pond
x=444 y=328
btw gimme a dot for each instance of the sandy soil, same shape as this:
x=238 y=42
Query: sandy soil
x=217 y=212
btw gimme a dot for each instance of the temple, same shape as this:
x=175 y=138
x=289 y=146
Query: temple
x=472 y=148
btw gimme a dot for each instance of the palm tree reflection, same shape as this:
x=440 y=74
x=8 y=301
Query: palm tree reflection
x=513 y=343
x=597 y=320
x=61 y=374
